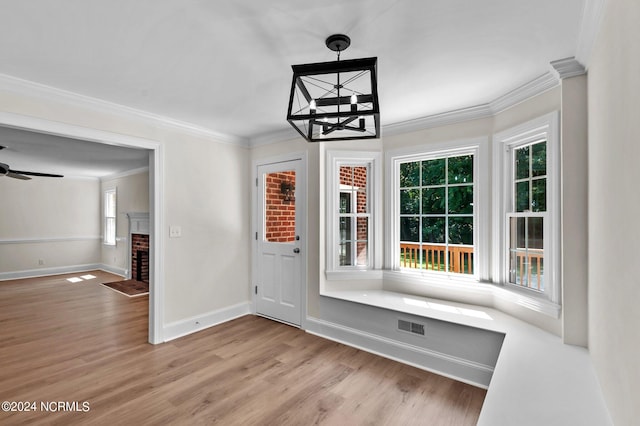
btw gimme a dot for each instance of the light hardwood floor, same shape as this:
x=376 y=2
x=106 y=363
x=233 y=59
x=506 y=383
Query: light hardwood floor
x=80 y=342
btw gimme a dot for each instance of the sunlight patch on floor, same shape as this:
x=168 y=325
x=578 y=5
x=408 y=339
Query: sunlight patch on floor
x=81 y=278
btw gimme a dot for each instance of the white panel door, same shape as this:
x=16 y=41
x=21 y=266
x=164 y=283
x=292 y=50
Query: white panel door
x=279 y=280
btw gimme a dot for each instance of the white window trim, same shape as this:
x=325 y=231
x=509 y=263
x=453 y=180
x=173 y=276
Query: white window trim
x=105 y=217
x=478 y=147
x=545 y=127
x=372 y=160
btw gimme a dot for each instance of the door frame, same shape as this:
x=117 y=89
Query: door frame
x=156 y=191
x=301 y=197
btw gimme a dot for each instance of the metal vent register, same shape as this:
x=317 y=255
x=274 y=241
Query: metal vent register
x=411 y=327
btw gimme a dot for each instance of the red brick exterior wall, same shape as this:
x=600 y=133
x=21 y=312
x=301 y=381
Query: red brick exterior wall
x=280 y=221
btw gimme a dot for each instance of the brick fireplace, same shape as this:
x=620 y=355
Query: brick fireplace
x=140 y=257
x=138 y=247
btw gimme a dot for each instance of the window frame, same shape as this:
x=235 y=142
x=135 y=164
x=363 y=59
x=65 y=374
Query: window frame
x=335 y=160
x=476 y=146
x=504 y=145
x=108 y=238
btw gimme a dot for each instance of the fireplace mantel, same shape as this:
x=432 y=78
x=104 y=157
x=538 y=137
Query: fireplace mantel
x=138 y=223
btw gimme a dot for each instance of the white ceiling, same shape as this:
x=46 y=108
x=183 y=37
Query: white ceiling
x=225 y=65
x=42 y=153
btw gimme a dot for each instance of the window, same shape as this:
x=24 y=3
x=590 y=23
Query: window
x=436 y=214
x=527 y=216
x=526 y=208
x=110 y=217
x=354 y=214
x=352 y=218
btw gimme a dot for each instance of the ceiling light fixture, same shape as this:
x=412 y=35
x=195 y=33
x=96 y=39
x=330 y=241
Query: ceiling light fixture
x=337 y=100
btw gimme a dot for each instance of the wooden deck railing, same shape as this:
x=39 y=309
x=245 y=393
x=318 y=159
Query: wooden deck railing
x=529 y=264
x=433 y=257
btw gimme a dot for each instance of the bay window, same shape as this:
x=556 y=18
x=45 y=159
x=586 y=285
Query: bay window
x=526 y=214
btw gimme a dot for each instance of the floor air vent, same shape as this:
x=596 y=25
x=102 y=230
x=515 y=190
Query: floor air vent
x=411 y=327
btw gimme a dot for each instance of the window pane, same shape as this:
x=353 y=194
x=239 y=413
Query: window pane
x=517 y=250
x=522 y=162
x=110 y=203
x=433 y=230
x=345 y=229
x=359 y=176
x=539 y=195
x=361 y=199
x=410 y=174
x=522 y=196
x=409 y=201
x=345 y=202
x=526 y=254
x=461 y=230
x=461 y=199
x=360 y=185
x=362 y=253
x=362 y=245
x=409 y=229
x=433 y=172
x=539 y=159
x=110 y=230
x=516 y=233
x=280 y=207
x=362 y=233
x=433 y=201
x=461 y=169
x=344 y=254
x=346 y=175
x=535 y=233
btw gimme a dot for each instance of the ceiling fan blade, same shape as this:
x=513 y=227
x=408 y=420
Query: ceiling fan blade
x=35 y=174
x=17 y=176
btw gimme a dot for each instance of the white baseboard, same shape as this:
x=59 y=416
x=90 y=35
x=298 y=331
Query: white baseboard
x=462 y=370
x=43 y=272
x=196 y=323
x=113 y=269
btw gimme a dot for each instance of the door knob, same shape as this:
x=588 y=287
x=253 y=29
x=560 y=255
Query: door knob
x=296 y=250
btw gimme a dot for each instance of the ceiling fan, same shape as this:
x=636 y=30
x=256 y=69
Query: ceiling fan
x=5 y=170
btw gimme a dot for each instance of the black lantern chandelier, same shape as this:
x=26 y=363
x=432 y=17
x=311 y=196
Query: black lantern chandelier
x=338 y=100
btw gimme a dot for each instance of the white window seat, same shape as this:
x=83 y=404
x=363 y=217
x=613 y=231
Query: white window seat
x=537 y=379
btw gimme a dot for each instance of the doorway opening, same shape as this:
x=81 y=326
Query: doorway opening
x=47 y=127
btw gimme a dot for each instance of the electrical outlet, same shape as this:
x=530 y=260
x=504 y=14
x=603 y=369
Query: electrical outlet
x=175 y=231
x=40 y=262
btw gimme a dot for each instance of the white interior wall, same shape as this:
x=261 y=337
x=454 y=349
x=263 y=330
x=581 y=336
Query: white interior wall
x=207 y=195
x=48 y=225
x=132 y=195
x=614 y=233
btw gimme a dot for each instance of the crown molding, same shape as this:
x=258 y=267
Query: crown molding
x=274 y=137
x=520 y=94
x=124 y=174
x=41 y=91
x=589 y=27
x=526 y=91
x=568 y=67
x=437 y=120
